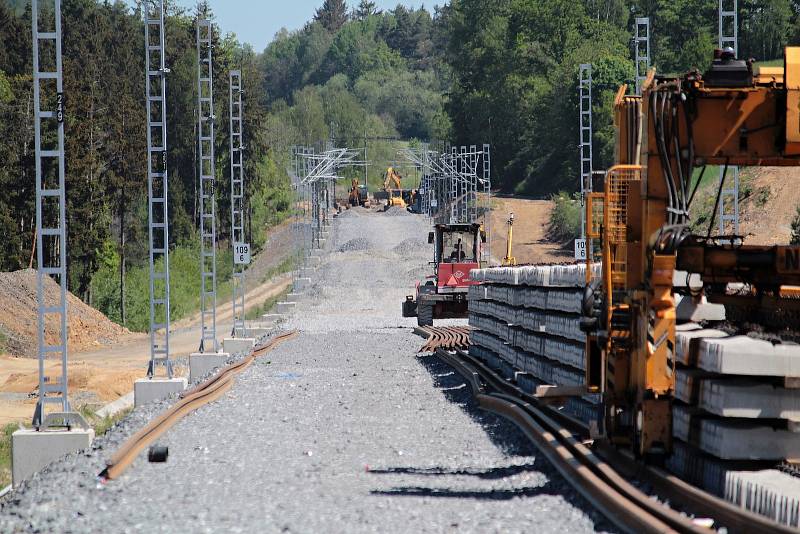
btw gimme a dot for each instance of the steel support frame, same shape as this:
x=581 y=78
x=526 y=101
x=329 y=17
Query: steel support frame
x=305 y=157
x=51 y=219
x=452 y=186
x=463 y=184
x=472 y=185
x=207 y=175
x=237 y=195
x=585 y=95
x=294 y=173
x=729 y=196
x=454 y=179
x=157 y=187
x=487 y=191
x=641 y=44
x=427 y=182
x=729 y=25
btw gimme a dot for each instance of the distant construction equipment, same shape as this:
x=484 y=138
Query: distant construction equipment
x=457 y=251
x=510 y=260
x=393 y=186
x=358 y=194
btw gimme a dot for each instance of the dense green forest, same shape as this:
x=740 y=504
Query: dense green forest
x=515 y=64
x=105 y=131
x=497 y=71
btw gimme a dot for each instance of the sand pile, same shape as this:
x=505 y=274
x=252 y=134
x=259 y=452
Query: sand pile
x=87 y=327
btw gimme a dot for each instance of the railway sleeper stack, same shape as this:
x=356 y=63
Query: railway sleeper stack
x=526 y=326
x=736 y=417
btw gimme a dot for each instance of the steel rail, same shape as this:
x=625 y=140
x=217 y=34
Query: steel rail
x=445 y=337
x=692 y=498
x=502 y=385
x=621 y=502
x=608 y=500
x=190 y=400
x=126 y=454
x=699 y=502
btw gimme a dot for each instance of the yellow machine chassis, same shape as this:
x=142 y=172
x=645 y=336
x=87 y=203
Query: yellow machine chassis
x=630 y=357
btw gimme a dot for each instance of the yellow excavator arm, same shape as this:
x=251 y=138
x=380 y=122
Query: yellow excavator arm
x=392 y=184
x=393 y=180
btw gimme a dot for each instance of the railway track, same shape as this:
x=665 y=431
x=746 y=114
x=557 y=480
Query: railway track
x=190 y=400
x=601 y=473
x=444 y=337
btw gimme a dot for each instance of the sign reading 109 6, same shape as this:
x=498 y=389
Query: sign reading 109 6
x=241 y=253
x=580 y=250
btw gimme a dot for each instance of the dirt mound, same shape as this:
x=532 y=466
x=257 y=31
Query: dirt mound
x=87 y=327
x=531 y=242
x=85 y=380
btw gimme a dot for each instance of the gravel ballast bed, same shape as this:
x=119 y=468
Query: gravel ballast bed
x=342 y=429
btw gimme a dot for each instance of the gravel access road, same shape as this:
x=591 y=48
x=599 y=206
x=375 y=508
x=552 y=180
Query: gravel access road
x=343 y=429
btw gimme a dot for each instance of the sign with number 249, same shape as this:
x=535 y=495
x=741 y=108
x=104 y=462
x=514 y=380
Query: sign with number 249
x=241 y=253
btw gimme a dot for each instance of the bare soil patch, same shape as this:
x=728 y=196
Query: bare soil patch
x=87 y=327
x=766 y=215
x=104 y=358
x=530 y=241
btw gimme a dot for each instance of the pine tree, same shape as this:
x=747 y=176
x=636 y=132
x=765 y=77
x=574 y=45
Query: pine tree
x=366 y=9
x=127 y=140
x=332 y=15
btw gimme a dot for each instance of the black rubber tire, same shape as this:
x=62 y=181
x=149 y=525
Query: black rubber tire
x=424 y=314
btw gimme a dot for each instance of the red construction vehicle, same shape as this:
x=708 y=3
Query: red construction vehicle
x=457 y=250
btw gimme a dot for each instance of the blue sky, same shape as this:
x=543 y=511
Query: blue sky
x=257 y=21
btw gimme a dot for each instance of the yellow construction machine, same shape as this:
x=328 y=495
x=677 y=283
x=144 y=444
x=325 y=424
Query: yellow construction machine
x=392 y=184
x=358 y=194
x=731 y=114
x=510 y=260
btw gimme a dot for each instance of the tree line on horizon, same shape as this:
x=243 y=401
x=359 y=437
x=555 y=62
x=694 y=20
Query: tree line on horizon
x=514 y=66
x=502 y=72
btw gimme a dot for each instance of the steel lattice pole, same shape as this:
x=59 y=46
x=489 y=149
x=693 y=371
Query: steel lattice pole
x=157 y=181
x=237 y=199
x=51 y=220
x=207 y=174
